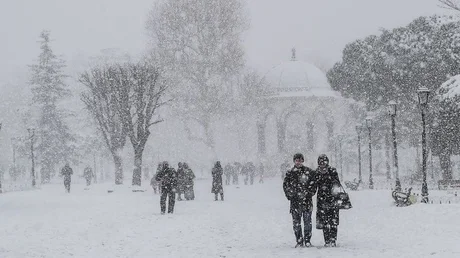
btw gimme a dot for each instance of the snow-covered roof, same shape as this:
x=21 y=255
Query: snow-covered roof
x=298 y=79
x=297 y=74
x=304 y=92
x=451 y=88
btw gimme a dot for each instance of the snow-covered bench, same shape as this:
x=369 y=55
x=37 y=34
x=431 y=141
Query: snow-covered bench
x=448 y=184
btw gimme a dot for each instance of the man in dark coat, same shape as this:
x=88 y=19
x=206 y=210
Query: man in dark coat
x=228 y=171
x=168 y=178
x=180 y=180
x=299 y=188
x=67 y=172
x=217 y=187
x=88 y=174
x=153 y=182
x=252 y=172
x=236 y=170
x=261 y=173
x=327 y=213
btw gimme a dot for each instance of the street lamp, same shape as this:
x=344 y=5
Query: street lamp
x=340 y=139
x=423 y=95
x=0 y=172
x=369 y=127
x=392 y=112
x=359 y=128
x=31 y=137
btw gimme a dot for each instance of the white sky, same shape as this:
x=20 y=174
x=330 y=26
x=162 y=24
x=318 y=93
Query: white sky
x=319 y=29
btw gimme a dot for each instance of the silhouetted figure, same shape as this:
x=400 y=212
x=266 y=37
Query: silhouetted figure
x=217 y=187
x=67 y=173
x=168 y=178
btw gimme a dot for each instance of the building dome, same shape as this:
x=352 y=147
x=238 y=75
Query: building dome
x=297 y=74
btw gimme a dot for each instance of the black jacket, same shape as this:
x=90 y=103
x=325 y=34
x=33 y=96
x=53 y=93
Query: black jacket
x=168 y=178
x=217 y=172
x=299 y=187
x=328 y=186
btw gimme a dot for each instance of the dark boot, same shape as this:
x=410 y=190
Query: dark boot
x=221 y=196
x=216 y=197
x=333 y=235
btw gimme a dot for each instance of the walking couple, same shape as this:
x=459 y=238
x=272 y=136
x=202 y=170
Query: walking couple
x=300 y=184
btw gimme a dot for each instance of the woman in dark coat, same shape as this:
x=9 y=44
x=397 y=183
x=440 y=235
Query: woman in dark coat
x=217 y=188
x=189 y=193
x=327 y=213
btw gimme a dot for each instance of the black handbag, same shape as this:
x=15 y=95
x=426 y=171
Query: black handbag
x=343 y=200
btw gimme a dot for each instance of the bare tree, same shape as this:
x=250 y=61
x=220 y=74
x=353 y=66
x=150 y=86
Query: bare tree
x=100 y=100
x=140 y=89
x=200 y=40
x=450 y=4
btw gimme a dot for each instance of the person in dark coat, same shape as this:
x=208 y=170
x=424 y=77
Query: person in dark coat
x=261 y=173
x=168 y=178
x=180 y=181
x=327 y=213
x=252 y=172
x=153 y=182
x=245 y=172
x=236 y=171
x=299 y=187
x=217 y=187
x=88 y=174
x=67 y=172
x=228 y=171
x=189 y=193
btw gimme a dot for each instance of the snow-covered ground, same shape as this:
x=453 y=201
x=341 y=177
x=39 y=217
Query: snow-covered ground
x=253 y=221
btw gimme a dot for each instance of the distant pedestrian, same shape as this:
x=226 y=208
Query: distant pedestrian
x=217 y=187
x=67 y=173
x=88 y=174
x=168 y=178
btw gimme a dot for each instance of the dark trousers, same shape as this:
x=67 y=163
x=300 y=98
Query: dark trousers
x=330 y=223
x=171 y=201
x=330 y=233
x=297 y=216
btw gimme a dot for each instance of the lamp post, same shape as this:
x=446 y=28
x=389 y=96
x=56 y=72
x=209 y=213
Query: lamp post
x=340 y=139
x=423 y=94
x=392 y=112
x=31 y=137
x=369 y=128
x=358 y=131
x=0 y=172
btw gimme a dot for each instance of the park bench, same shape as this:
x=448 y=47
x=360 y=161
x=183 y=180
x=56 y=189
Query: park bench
x=448 y=184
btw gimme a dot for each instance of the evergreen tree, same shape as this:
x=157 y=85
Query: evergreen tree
x=55 y=143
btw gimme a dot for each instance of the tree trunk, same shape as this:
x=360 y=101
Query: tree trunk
x=118 y=169
x=444 y=160
x=137 y=172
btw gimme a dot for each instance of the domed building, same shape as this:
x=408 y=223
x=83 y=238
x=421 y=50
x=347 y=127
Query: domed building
x=300 y=111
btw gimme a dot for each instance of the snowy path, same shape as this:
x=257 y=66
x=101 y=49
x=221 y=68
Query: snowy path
x=253 y=221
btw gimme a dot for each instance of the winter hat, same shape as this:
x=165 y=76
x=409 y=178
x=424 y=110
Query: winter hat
x=323 y=159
